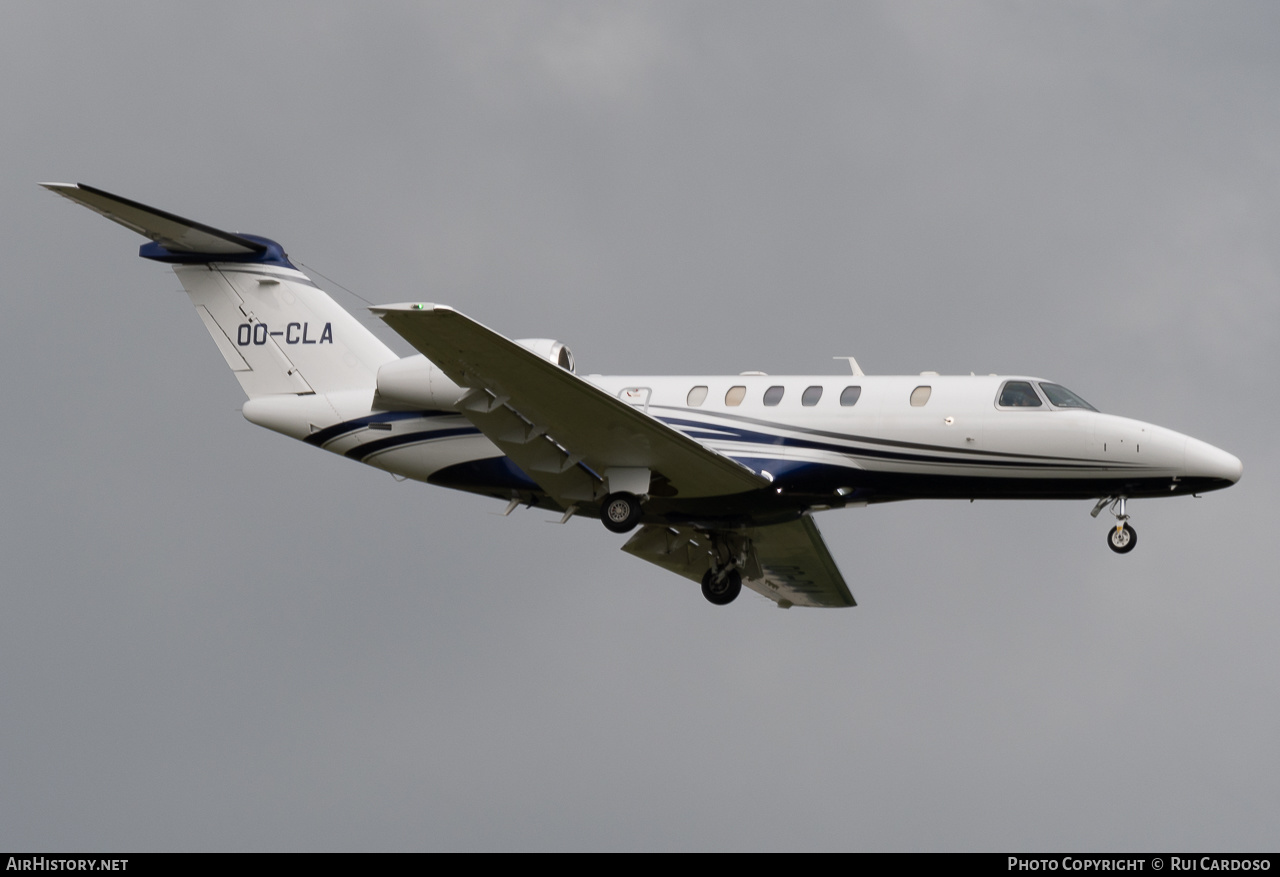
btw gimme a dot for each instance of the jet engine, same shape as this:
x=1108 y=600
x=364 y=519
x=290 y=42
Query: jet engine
x=416 y=384
x=552 y=351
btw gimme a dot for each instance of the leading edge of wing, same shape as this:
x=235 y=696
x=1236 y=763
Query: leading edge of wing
x=601 y=431
x=788 y=563
x=172 y=232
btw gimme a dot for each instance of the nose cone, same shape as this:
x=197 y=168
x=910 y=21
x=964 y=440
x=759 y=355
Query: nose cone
x=1211 y=468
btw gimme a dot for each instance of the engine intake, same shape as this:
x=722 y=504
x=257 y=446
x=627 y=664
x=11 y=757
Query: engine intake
x=550 y=350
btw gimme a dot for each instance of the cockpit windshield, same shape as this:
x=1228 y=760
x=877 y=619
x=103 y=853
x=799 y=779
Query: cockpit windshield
x=1061 y=397
x=1018 y=394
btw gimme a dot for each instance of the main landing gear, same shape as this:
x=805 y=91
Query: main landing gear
x=1121 y=538
x=731 y=553
x=721 y=586
x=620 y=512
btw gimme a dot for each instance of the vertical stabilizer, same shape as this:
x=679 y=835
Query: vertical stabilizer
x=277 y=330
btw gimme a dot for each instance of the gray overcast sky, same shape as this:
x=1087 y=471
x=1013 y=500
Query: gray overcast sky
x=215 y=638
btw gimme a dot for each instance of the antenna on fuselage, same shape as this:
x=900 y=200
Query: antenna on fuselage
x=853 y=366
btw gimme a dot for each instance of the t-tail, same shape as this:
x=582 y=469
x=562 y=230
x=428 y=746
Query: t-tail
x=279 y=333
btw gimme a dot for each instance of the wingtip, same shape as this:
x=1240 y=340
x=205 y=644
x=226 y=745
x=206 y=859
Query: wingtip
x=407 y=307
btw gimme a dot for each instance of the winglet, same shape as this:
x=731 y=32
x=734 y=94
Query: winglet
x=174 y=239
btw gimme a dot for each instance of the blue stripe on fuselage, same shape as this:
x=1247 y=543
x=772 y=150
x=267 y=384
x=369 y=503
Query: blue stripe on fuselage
x=363 y=451
x=322 y=437
x=961 y=456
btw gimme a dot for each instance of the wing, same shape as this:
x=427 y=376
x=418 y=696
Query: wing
x=788 y=563
x=562 y=431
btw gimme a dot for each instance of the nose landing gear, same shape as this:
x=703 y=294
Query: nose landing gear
x=1121 y=538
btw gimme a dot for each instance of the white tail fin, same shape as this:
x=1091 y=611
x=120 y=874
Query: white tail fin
x=277 y=330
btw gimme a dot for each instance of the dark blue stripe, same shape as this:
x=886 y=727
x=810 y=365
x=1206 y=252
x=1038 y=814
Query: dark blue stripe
x=360 y=452
x=870 y=440
x=695 y=430
x=266 y=251
x=492 y=475
x=329 y=433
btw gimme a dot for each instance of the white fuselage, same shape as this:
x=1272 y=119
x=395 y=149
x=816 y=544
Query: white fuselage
x=904 y=437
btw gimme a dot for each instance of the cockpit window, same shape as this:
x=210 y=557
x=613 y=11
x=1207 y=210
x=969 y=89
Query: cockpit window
x=1018 y=394
x=1061 y=397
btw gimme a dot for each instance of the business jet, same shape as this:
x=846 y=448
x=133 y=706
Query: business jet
x=720 y=474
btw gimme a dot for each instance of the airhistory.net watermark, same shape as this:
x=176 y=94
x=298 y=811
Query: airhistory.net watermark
x=44 y=863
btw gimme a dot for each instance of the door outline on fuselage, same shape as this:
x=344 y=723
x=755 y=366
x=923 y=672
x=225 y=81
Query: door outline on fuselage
x=637 y=397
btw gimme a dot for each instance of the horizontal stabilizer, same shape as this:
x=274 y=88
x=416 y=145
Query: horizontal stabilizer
x=174 y=233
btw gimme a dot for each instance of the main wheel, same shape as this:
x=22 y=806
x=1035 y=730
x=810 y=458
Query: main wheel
x=620 y=512
x=722 y=589
x=1121 y=540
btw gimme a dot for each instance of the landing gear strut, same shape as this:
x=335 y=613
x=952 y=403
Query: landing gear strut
x=1121 y=538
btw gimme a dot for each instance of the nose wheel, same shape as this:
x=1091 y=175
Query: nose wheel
x=1121 y=538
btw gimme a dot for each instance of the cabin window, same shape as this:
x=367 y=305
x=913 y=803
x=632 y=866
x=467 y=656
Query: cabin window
x=773 y=395
x=920 y=395
x=850 y=396
x=1018 y=394
x=735 y=396
x=697 y=396
x=811 y=396
x=1061 y=397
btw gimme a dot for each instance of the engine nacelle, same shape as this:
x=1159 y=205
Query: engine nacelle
x=414 y=384
x=552 y=351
